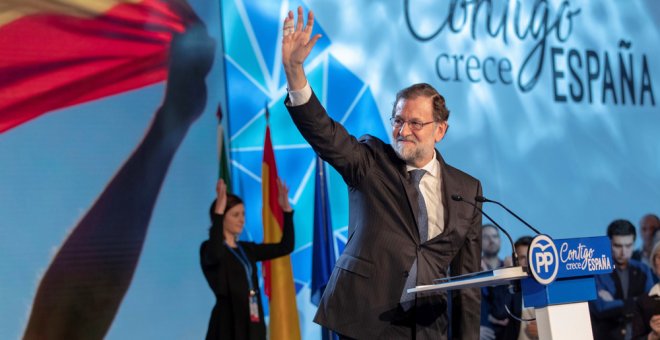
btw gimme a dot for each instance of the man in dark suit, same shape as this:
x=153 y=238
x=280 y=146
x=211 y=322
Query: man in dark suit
x=614 y=312
x=404 y=229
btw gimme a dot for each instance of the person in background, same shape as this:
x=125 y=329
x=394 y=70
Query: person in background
x=655 y=328
x=649 y=307
x=615 y=308
x=522 y=326
x=229 y=266
x=648 y=225
x=490 y=247
x=654 y=260
x=493 y=315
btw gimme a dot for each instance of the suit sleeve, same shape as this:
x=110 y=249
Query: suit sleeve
x=614 y=309
x=268 y=251
x=331 y=141
x=601 y=309
x=467 y=302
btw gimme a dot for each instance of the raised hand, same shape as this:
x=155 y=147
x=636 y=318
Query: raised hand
x=296 y=46
x=283 y=196
x=221 y=193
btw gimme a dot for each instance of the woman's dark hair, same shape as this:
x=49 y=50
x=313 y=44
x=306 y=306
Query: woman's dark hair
x=232 y=201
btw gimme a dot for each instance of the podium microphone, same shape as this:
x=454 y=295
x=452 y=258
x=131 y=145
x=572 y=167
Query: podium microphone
x=514 y=255
x=484 y=199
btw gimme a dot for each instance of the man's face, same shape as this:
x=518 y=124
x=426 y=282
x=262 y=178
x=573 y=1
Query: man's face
x=622 y=248
x=416 y=147
x=648 y=225
x=490 y=241
x=521 y=251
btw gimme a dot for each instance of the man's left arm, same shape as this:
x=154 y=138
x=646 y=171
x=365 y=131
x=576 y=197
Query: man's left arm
x=466 y=303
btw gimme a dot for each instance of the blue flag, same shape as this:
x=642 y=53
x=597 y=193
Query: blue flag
x=323 y=247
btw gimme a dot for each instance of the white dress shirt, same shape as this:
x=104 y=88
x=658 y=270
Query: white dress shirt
x=301 y=96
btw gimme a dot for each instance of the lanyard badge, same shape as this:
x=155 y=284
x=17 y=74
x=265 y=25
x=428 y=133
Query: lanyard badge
x=253 y=302
x=254 y=306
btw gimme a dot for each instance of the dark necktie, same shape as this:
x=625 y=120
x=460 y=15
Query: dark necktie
x=408 y=300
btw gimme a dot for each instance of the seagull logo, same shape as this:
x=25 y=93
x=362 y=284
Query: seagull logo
x=543 y=259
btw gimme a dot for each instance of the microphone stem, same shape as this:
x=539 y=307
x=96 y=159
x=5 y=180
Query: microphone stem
x=514 y=255
x=515 y=215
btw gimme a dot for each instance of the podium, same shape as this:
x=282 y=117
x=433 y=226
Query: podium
x=558 y=283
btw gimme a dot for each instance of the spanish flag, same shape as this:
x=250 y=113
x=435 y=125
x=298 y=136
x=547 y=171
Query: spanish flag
x=278 y=275
x=61 y=53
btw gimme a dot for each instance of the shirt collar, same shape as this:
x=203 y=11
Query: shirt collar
x=432 y=167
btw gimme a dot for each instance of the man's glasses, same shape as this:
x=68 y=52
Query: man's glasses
x=397 y=123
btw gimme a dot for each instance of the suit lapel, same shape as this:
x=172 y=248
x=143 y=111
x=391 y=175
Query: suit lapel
x=636 y=284
x=450 y=185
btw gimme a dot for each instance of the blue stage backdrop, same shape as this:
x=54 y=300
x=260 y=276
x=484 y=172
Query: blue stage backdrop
x=554 y=107
x=553 y=104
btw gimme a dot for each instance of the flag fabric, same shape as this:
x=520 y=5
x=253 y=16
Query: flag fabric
x=223 y=155
x=61 y=53
x=323 y=249
x=278 y=274
x=323 y=245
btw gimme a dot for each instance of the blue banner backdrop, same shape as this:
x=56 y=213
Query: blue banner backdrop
x=553 y=104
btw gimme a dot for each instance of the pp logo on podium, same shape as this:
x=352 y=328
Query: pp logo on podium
x=543 y=259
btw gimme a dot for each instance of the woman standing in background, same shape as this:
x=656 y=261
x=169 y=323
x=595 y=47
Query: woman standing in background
x=230 y=267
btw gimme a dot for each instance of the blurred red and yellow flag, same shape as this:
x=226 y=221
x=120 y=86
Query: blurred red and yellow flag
x=278 y=275
x=61 y=53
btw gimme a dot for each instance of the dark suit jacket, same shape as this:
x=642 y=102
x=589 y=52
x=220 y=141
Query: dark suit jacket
x=609 y=318
x=362 y=296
